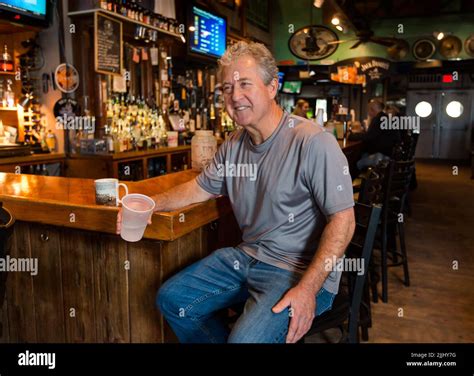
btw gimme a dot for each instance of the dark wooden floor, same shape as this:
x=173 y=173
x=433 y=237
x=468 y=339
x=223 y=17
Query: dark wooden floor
x=439 y=304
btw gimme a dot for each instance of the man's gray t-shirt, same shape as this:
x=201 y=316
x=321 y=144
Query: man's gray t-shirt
x=282 y=190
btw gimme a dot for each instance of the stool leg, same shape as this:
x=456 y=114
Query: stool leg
x=384 y=263
x=392 y=241
x=401 y=231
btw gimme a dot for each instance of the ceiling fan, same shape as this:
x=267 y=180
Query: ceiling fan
x=367 y=36
x=360 y=25
x=313 y=42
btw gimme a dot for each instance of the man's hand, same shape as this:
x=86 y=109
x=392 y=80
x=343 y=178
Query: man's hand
x=119 y=221
x=302 y=303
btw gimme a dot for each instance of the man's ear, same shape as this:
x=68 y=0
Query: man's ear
x=273 y=88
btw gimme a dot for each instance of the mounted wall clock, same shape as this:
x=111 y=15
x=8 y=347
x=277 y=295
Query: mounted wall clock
x=450 y=47
x=423 y=49
x=66 y=78
x=469 y=45
x=314 y=42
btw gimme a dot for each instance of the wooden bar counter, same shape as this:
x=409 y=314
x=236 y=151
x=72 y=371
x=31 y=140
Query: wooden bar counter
x=91 y=285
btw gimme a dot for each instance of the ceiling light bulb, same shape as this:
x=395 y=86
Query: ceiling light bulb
x=318 y=3
x=335 y=21
x=440 y=36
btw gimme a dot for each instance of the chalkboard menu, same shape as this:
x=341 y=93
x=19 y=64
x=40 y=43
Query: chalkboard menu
x=108 y=45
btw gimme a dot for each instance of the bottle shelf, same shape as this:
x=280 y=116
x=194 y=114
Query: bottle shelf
x=120 y=17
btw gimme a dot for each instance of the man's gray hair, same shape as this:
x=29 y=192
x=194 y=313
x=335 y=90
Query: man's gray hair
x=261 y=54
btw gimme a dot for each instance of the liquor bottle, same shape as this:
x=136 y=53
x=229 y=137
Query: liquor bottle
x=6 y=61
x=198 y=119
x=124 y=8
x=9 y=95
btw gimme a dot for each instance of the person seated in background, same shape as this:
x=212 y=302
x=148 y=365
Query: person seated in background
x=378 y=140
x=301 y=108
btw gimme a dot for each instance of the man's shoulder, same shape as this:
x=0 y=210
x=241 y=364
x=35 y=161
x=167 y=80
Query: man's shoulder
x=303 y=129
x=234 y=137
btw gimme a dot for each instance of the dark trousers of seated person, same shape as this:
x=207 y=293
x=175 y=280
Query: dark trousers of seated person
x=191 y=300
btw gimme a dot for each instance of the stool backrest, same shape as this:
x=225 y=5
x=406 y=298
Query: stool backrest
x=401 y=173
x=360 y=247
x=405 y=150
x=374 y=183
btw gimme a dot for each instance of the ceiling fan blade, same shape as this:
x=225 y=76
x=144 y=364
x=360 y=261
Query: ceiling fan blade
x=357 y=44
x=387 y=42
x=342 y=41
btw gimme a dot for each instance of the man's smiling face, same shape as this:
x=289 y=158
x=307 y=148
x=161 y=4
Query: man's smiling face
x=247 y=98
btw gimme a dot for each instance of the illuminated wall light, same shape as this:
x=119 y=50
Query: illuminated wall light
x=440 y=36
x=192 y=28
x=454 y=109
x=340 y=28
x=335 y=21
x=318 y=3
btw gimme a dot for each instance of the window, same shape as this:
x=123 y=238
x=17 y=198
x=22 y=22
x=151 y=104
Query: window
x=454 y=109
x=423 y=109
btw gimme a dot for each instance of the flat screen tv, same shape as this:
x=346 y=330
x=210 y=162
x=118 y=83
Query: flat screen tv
x=292 y=87
x=209 y=35
x=28 y=12
x=281 y=77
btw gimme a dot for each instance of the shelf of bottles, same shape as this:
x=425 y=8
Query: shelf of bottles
x=132 y=11
x=181 y=103
x=29 y=121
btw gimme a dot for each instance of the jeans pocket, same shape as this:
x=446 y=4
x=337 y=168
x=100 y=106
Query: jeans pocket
x=324 y=300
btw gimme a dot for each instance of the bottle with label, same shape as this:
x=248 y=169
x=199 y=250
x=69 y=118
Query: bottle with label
x=203 y=149
x=6 y=61
x=51 y=141
x=9 y=95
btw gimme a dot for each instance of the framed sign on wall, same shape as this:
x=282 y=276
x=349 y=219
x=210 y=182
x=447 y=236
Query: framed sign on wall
x=108 y=49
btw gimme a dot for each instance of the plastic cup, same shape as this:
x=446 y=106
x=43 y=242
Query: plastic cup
x=136 y=210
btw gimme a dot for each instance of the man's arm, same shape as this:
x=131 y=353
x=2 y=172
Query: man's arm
x=334 y=240
x=180 y=196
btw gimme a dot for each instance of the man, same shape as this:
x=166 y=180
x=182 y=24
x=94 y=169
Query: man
x=301 y=108
x=378 y=141
x=295 y=214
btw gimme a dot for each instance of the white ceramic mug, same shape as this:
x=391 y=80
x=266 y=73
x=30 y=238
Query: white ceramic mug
x=107 y=191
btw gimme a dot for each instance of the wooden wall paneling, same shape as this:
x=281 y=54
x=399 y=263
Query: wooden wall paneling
x=87 y=168
x=4 y=327
x=144 y=282
x=169 y=266
x=111 y=290
x=20 y=296
x=77 y=251
x=49 y=304
x=189 y=248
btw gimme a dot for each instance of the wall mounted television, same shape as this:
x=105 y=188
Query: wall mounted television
x=30 y=12
x=292 y=87
x=209 y=36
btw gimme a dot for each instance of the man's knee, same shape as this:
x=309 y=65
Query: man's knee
x=166 y=298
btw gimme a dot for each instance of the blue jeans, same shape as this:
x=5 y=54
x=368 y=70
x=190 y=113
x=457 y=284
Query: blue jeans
x=191 y=299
